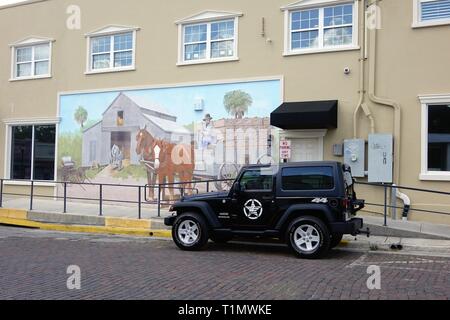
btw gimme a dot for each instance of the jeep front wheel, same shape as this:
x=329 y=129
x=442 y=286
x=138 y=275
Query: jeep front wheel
x=308 y=237
x=190 y=232
x=336 y=239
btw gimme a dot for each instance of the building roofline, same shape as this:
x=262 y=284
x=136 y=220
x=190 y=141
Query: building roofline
x=22 y=3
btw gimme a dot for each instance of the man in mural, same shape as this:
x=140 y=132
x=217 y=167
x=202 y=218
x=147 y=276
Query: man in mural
x=206 y=136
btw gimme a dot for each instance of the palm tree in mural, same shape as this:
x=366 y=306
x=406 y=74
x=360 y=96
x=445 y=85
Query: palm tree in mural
x=237 y=103
x=81 y=116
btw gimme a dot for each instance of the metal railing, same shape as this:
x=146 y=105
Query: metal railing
x=142 y=199
x=393 y=188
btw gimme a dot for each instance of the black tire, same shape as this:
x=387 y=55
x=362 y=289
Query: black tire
x=335 y=240
x=220 y=239
x=315 y=234
x=201 y=235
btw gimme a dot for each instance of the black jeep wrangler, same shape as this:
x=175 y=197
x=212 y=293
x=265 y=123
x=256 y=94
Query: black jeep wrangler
x=309 y=205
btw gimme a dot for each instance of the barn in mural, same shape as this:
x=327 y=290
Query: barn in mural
x=133 y=136
x=114 y=136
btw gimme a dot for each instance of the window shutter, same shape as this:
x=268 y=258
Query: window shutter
x=435 y=10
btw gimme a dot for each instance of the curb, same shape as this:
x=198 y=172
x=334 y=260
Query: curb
x=397 y=245
x=119 y=226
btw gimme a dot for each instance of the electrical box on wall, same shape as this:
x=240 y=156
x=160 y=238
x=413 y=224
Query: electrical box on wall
x=354 y=156
x=381 y=158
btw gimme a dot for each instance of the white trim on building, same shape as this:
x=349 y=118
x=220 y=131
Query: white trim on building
x=9 y=123
x=426 y=101
x=206 y=20
x=433 y=18
x=318 y=7
x=110 y=31
x=31 y=44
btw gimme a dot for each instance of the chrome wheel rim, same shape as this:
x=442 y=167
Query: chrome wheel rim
x=306 y=238
x=188 y=232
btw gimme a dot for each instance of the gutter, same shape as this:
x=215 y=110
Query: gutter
x=361 y=104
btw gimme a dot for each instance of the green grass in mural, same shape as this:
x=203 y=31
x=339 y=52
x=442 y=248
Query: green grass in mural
x=93 y=172
x=70 y=145
x=133 y=171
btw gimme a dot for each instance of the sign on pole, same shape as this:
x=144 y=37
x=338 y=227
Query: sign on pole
x=285 y=150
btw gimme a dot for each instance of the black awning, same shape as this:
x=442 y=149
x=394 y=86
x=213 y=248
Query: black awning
x=306 y=115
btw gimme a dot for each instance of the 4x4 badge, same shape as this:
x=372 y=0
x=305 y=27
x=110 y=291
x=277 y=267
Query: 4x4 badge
x=253 y=209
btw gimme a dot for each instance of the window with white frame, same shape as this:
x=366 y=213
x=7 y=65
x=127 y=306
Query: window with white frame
x=109 y=52
x=208 y=41
x=321 y=28
x=208 y=37
x=431 y=12
x=111 y=49
x=31 y=61
x=32 y=152
x=435 y=137
x=439 y=137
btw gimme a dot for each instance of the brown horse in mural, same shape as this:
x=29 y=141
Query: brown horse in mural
x=157 y=155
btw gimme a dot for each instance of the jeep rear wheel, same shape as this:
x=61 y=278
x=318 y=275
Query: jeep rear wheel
x=308 y=237
x=190 y=232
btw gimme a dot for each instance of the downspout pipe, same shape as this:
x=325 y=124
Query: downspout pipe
x=361 y=92
x=385 y=102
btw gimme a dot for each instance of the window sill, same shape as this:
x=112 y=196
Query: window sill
x=109 y=70
x=312 y=51
x=28 y=183
x=426 y=24
x=188 y=63
x=30 y=78
x=435 y=176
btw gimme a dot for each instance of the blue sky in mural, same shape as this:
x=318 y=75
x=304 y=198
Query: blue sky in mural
x=179 y=101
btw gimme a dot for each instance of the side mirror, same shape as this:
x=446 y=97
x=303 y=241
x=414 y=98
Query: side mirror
x=237 y=187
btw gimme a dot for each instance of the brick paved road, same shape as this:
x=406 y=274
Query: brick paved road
x=33 y=266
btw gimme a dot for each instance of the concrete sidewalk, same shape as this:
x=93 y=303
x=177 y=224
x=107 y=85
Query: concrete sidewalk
x=406 y=229
x=86 y=208
x=411 y=246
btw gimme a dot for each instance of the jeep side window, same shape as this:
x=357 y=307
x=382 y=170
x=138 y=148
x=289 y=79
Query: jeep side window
x=307 y=178
x=256 y=180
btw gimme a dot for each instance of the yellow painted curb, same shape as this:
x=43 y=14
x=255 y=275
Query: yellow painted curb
x=87 y=229
x=344 y=243
x=13 y=214
x=127 y=223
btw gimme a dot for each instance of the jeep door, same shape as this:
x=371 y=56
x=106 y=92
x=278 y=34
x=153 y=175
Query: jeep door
x=254 y=205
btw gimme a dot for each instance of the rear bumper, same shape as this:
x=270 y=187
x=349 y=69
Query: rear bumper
x=352 y=226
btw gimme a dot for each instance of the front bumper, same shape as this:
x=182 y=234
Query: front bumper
x=169 y=221
x=352 y=226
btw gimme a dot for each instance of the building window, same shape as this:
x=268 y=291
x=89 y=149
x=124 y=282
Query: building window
x=208 y=37
x=326 y=28
x=32 y=152
x=112 y=48
x=120 y=119
x=435 y=137
x=439 y=137
x=209 y=41
x=31 y=61
x=431 y=12
x=110 y=52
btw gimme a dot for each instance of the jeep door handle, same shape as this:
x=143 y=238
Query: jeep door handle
x=268 y=197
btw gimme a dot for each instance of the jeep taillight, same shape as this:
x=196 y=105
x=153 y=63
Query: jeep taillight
x=346 y=203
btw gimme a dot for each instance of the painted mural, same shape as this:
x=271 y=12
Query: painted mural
x=169 y=134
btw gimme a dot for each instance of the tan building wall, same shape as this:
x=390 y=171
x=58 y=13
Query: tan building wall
x=410 y=62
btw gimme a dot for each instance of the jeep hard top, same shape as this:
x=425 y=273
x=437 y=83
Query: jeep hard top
x=309 y=205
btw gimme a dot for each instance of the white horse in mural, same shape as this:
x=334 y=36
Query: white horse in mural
x=116 y=157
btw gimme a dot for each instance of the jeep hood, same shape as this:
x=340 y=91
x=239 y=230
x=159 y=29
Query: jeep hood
x=206 y=196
